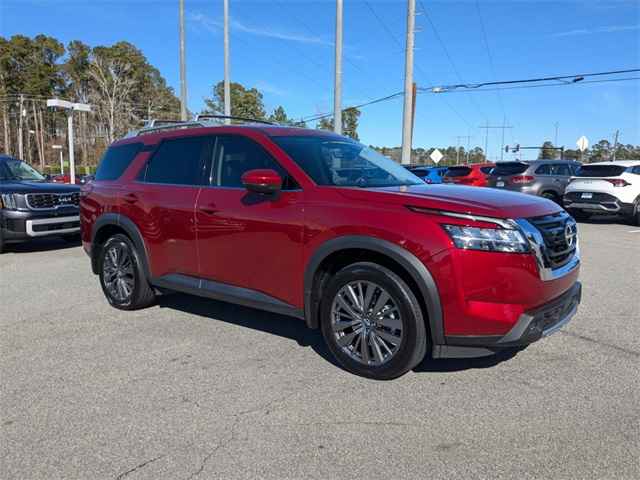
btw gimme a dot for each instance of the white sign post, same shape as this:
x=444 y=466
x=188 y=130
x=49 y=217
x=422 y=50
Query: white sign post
x=436 y=156
x=70 y=107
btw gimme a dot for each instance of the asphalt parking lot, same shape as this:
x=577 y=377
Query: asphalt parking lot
x=193 y=388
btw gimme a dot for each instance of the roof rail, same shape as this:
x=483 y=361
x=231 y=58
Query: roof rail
x=209 y=116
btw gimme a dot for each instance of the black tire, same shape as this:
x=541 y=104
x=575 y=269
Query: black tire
x=580 y=215
x=141 y=294
x=1 y=242
x=413 y=346
x=635 y=216
x=551 y=196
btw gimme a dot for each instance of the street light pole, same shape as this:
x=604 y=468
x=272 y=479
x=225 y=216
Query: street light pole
x=183 y=69
x=70 y=107
x=408 y=84
x=227 y=85
x=337 y=93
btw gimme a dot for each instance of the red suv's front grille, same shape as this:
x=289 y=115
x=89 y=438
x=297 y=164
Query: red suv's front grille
x=560 y=237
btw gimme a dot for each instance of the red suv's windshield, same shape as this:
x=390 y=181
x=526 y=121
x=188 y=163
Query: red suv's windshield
x=343 y=163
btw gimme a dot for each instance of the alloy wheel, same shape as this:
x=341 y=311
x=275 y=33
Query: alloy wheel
x=366 y=323
x=118 y=273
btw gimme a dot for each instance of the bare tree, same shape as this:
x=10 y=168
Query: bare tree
x=109 y=95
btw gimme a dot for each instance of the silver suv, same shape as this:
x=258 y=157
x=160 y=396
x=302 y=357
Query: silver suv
x=545 y=178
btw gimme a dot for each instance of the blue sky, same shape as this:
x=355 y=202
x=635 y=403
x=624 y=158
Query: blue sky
x=285 y=49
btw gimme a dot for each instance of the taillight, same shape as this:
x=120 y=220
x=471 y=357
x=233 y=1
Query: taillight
x=520 y=179
x=617 y=182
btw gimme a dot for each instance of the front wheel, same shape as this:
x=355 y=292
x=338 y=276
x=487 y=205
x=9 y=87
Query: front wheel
x=372 y=322
x=121 y=276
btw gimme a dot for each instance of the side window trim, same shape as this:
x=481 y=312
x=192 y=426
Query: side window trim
x=155 y=148
x=215 y=180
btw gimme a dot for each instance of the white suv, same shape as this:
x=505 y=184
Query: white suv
x=606 y=187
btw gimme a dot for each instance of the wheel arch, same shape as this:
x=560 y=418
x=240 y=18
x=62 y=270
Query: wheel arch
x=418 y=275
x=109 y=224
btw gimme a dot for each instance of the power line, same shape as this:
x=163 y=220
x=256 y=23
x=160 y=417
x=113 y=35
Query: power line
x=449 y=57
x=313 y=118
x=488 y=50
x=474 y=90
x=384 y=26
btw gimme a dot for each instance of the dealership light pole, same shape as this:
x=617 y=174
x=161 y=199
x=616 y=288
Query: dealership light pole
x=408 y=84
x=70 y=107
x=337 y=91
x=183 y=68
x=227 y=86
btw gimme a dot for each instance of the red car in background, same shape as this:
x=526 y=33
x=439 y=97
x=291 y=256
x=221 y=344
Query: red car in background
x=474 y=175
x=66 y=178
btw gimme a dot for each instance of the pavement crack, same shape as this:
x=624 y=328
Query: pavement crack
x=138 y=467
x=599 y=342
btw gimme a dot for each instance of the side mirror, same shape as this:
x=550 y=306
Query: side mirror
x=262 y=181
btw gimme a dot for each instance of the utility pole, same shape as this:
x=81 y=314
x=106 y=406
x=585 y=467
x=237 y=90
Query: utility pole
x=615 y=146
x=555 y=142
x=183 y=70
x=227 y=86
x=408 y=84
x=458 y=138
x=486 y=138
x=337 y=88
x=20 y=146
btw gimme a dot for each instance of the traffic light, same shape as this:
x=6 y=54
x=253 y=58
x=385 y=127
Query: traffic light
x=517 y=148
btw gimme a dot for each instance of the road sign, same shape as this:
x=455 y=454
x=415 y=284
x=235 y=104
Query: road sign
x=582 y=143
x=436 y=156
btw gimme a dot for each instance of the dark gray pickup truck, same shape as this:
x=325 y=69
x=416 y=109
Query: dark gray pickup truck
x=31 y=207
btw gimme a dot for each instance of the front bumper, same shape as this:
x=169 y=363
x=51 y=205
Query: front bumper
x=20 y=225
x=531 y=326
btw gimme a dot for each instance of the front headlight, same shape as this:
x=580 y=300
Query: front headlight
x=487 y=239
x=8 y=201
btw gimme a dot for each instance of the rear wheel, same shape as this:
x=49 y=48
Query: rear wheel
x=635 y=216
x=372 y=322
x=122 y=279
x=551 y=196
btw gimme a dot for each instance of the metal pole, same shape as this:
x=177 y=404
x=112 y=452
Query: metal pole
x=457 y=150
x=615 y=146
x=20 y=146
x=183 y=70
x=72 y=164
x=555 y=143
x=486 y=143
x=504 y=120
x=337 y=93
x=61 y=163
x=408 y=83
x=227 y=86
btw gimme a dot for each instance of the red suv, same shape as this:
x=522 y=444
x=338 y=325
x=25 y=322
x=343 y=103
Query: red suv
x=313 y=225
x=474 y=174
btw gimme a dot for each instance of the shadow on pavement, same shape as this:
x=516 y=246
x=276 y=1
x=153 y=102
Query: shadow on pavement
x=41 y=245
x=295 y=329
x=281 y=325
x=459 y=364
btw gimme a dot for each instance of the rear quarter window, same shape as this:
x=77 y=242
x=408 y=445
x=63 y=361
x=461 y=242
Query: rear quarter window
x=116 y=160
x=509 y=168
x=458 y=171
x=600 y=171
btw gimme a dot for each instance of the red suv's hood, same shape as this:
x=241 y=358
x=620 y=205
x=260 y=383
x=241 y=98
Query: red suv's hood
x=472 y=200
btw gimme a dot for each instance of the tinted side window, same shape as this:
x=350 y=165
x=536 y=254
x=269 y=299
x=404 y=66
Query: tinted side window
x=178 y=161
x=116 y=160
x=636 y=170
x=563 y=170
x=543 y=170
x=236 y=155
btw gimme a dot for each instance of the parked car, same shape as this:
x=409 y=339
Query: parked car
x=275 y=218
x=545 y=178
x=30 y=207
x=428 y=174
x=473 y=174
x=605 y=188
x=66 y=178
